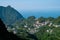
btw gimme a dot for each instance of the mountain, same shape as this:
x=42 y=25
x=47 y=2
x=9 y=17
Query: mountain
x=9 y=15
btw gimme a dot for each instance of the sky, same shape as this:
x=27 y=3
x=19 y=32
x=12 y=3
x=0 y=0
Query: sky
x=29 y=7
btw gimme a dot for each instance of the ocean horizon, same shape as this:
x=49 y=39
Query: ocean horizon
x=38 y=14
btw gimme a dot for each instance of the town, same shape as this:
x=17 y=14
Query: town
x=40 y=26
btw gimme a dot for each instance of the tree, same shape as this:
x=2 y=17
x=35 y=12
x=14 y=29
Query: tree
x=57 y=20
x=31 y=21
x=31 y=17
x=41 y=19
x=50 y=18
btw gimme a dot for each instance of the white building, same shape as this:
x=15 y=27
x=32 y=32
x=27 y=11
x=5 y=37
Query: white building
x=49 y=31
x=56 y=25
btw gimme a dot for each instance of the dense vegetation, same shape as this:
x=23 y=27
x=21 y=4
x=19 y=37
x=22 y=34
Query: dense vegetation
x=44 y=32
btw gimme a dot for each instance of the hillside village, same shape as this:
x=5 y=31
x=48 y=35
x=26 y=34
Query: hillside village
x=33 y=27
x=37 y=25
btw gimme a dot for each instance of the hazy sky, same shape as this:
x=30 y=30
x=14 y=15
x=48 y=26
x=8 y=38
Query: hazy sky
x=34 y=7
x=32 y=4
